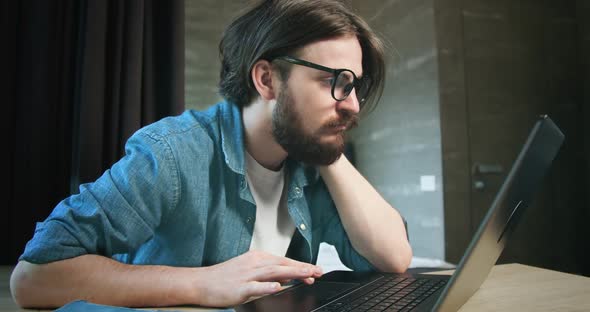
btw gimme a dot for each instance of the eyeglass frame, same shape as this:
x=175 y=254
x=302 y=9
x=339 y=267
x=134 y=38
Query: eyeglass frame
x=335 y=72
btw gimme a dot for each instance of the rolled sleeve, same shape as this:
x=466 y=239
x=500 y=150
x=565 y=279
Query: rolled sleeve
x=116 y=213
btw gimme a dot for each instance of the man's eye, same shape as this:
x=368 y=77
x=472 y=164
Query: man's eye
x=342 y=83
x=328 y=81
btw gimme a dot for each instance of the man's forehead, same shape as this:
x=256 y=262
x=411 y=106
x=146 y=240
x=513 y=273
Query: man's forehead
x=341 y=52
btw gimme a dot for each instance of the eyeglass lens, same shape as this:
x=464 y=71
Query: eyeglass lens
x=343 y=85
x=345 y=82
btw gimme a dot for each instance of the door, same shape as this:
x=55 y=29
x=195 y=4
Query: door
x=513 y=67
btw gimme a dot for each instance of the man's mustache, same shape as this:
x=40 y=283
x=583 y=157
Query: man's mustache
x=346 y=120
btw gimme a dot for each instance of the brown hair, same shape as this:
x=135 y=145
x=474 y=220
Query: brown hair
x=281 y=27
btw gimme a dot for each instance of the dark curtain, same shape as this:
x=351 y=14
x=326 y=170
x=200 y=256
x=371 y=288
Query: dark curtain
x=78 y=78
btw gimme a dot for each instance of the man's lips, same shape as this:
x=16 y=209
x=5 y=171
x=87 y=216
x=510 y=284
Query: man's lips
x=339 y=126
x=337 y=129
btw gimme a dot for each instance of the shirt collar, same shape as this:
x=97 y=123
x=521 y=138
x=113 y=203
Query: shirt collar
x=232 y=136
x=302 y=175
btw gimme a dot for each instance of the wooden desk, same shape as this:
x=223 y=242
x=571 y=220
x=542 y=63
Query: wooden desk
x=510 y=287
x=517 y=287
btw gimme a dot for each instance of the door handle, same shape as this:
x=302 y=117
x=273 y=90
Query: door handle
x=479 y=168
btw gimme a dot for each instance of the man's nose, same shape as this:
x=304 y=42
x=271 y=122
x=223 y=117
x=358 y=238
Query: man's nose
x=350 y=103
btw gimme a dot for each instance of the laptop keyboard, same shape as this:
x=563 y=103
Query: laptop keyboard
x=387 y=294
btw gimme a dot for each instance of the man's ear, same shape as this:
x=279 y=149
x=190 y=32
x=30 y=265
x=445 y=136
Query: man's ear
x=262 y=77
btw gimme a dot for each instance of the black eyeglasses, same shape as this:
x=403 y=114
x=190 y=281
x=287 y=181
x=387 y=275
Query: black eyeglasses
x=343 y=81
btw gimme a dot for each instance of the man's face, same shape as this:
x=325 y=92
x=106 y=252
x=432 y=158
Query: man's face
x=307 y=122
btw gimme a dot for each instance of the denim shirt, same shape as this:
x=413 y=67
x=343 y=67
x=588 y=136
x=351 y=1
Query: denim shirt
x=180 y=197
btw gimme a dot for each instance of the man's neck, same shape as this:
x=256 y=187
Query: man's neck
x=260 y=143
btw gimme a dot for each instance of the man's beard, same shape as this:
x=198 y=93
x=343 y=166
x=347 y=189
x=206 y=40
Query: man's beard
x=288 y=131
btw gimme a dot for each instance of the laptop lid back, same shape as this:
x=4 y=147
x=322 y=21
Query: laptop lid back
x=515 y=195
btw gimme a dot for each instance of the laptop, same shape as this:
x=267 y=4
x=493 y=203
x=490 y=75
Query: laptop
x=375 y=291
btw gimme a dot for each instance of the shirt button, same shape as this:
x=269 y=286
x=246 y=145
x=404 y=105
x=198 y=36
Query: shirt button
x=297 y=191
x=249 y=220
x=302 y=227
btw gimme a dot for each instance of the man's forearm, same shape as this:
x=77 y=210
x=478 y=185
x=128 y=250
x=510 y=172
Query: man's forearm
x=100 y=280
x=375 y=229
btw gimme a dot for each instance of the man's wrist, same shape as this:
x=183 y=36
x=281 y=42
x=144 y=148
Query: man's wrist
x=192 y=287
x=325 y=170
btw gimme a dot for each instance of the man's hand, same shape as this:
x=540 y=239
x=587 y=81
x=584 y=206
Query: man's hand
x=252 y=274
x=105 y=281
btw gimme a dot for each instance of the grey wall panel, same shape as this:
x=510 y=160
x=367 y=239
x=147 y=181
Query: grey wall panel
x=400 y=141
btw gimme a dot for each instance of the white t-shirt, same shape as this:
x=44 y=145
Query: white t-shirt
x=273 y=228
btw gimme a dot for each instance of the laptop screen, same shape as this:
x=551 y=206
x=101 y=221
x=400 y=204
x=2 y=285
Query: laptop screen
x=515 y=195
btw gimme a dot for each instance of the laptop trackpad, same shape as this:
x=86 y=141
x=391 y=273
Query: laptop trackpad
x=298 y=298
x=319 y=292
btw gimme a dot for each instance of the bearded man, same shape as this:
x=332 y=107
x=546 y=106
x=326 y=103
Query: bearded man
x=212 y=208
